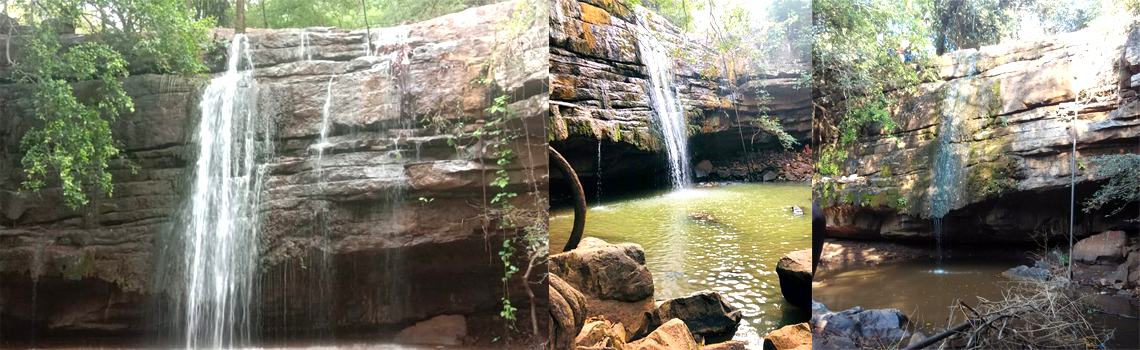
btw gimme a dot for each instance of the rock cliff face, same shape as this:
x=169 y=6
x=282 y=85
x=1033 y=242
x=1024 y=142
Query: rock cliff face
x=399 y=205
x=600 y=93
x=990 y=141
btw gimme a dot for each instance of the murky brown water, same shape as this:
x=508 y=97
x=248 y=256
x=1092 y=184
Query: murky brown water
x=915 y=288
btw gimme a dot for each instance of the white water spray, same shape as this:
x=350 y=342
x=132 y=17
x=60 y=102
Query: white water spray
x=221 y=240
x=670 y=115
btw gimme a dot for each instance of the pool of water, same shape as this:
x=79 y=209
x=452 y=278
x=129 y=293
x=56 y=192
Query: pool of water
x=924 y=292
x=735 y=253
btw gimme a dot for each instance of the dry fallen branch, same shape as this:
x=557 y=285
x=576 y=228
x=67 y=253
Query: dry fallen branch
x=1032 y=315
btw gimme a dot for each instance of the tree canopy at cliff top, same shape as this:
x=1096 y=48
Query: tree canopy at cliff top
x=863 y=48
x=72 y=146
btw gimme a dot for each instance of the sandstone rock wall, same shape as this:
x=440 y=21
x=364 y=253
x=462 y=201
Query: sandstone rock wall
x=401 y=205
x=1006 y=110
x=599 y=92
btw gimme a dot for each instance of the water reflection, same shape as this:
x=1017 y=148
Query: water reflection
x=726 y=239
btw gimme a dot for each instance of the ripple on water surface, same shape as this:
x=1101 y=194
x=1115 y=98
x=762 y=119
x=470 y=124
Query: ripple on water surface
x=732 y=248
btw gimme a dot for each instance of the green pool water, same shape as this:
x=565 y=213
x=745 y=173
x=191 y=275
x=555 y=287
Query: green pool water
x=735 y=253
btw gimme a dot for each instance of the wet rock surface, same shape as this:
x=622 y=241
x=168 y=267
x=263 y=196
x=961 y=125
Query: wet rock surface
x=379 y=160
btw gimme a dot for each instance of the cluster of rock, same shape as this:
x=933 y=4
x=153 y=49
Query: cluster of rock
x=1115 y=253
x=601 y=296
x=1010 y=108
x=599 y=91
x=1109 y=260
x=766 y=167
x=857 y=328
x=95 y=268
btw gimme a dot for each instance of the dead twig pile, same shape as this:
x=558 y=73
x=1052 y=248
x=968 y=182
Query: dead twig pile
x=1032 y=315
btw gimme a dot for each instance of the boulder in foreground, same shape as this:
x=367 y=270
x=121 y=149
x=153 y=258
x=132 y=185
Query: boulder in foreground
x=672 y=335
x=792 y=337
x=705 y=313
x=794 y=270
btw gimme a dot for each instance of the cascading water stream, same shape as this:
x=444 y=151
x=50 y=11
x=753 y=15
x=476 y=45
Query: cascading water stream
x=666 y=106
x=304 y=53
x=221 y=252
x=598 y=170
x=324 y=141
x=947 y=165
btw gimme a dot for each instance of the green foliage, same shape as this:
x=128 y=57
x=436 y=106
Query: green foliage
x=787 y=34
x=75 y=140
x=772 y=126
x=1123 y=185
x=74 y=143
x=964 y=24
x=349 y=13
x=678 y=12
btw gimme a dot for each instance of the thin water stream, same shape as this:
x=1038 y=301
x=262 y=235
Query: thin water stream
x=735 y=253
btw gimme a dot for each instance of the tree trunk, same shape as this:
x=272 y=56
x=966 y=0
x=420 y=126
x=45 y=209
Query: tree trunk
x=367 y=27
x=579 y=198
x=239 y=17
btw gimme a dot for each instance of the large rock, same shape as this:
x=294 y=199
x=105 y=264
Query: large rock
x=439 y=330
x=727 y=345
x=567 y=313
x=1107 y=247
x=794 y=271
x=606 y=271
x=1022 y=271
x=706 y=314
x=601 y=334
x=793 y=337
x=673 y=335
x=613 y=280
x=856 y=327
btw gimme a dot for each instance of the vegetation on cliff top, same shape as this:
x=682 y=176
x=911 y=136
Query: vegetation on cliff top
x=865 y=50
x=72 y=143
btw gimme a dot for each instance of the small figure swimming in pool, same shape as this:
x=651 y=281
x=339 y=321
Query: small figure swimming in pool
x=797 y=210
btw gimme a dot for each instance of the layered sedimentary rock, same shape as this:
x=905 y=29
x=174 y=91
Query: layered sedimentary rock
x=392 y=201
x=600 y=93
x=987 y=144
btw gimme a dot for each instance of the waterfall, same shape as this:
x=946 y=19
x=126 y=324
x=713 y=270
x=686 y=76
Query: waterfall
x=670 y=115
x=324 y=141
x=948 y=162
x=598 y=177
x=221 y=252
x=305 y=46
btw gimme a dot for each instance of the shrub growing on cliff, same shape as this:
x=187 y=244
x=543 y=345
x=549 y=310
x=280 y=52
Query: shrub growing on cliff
x=73 y=142
x=1122 y=187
